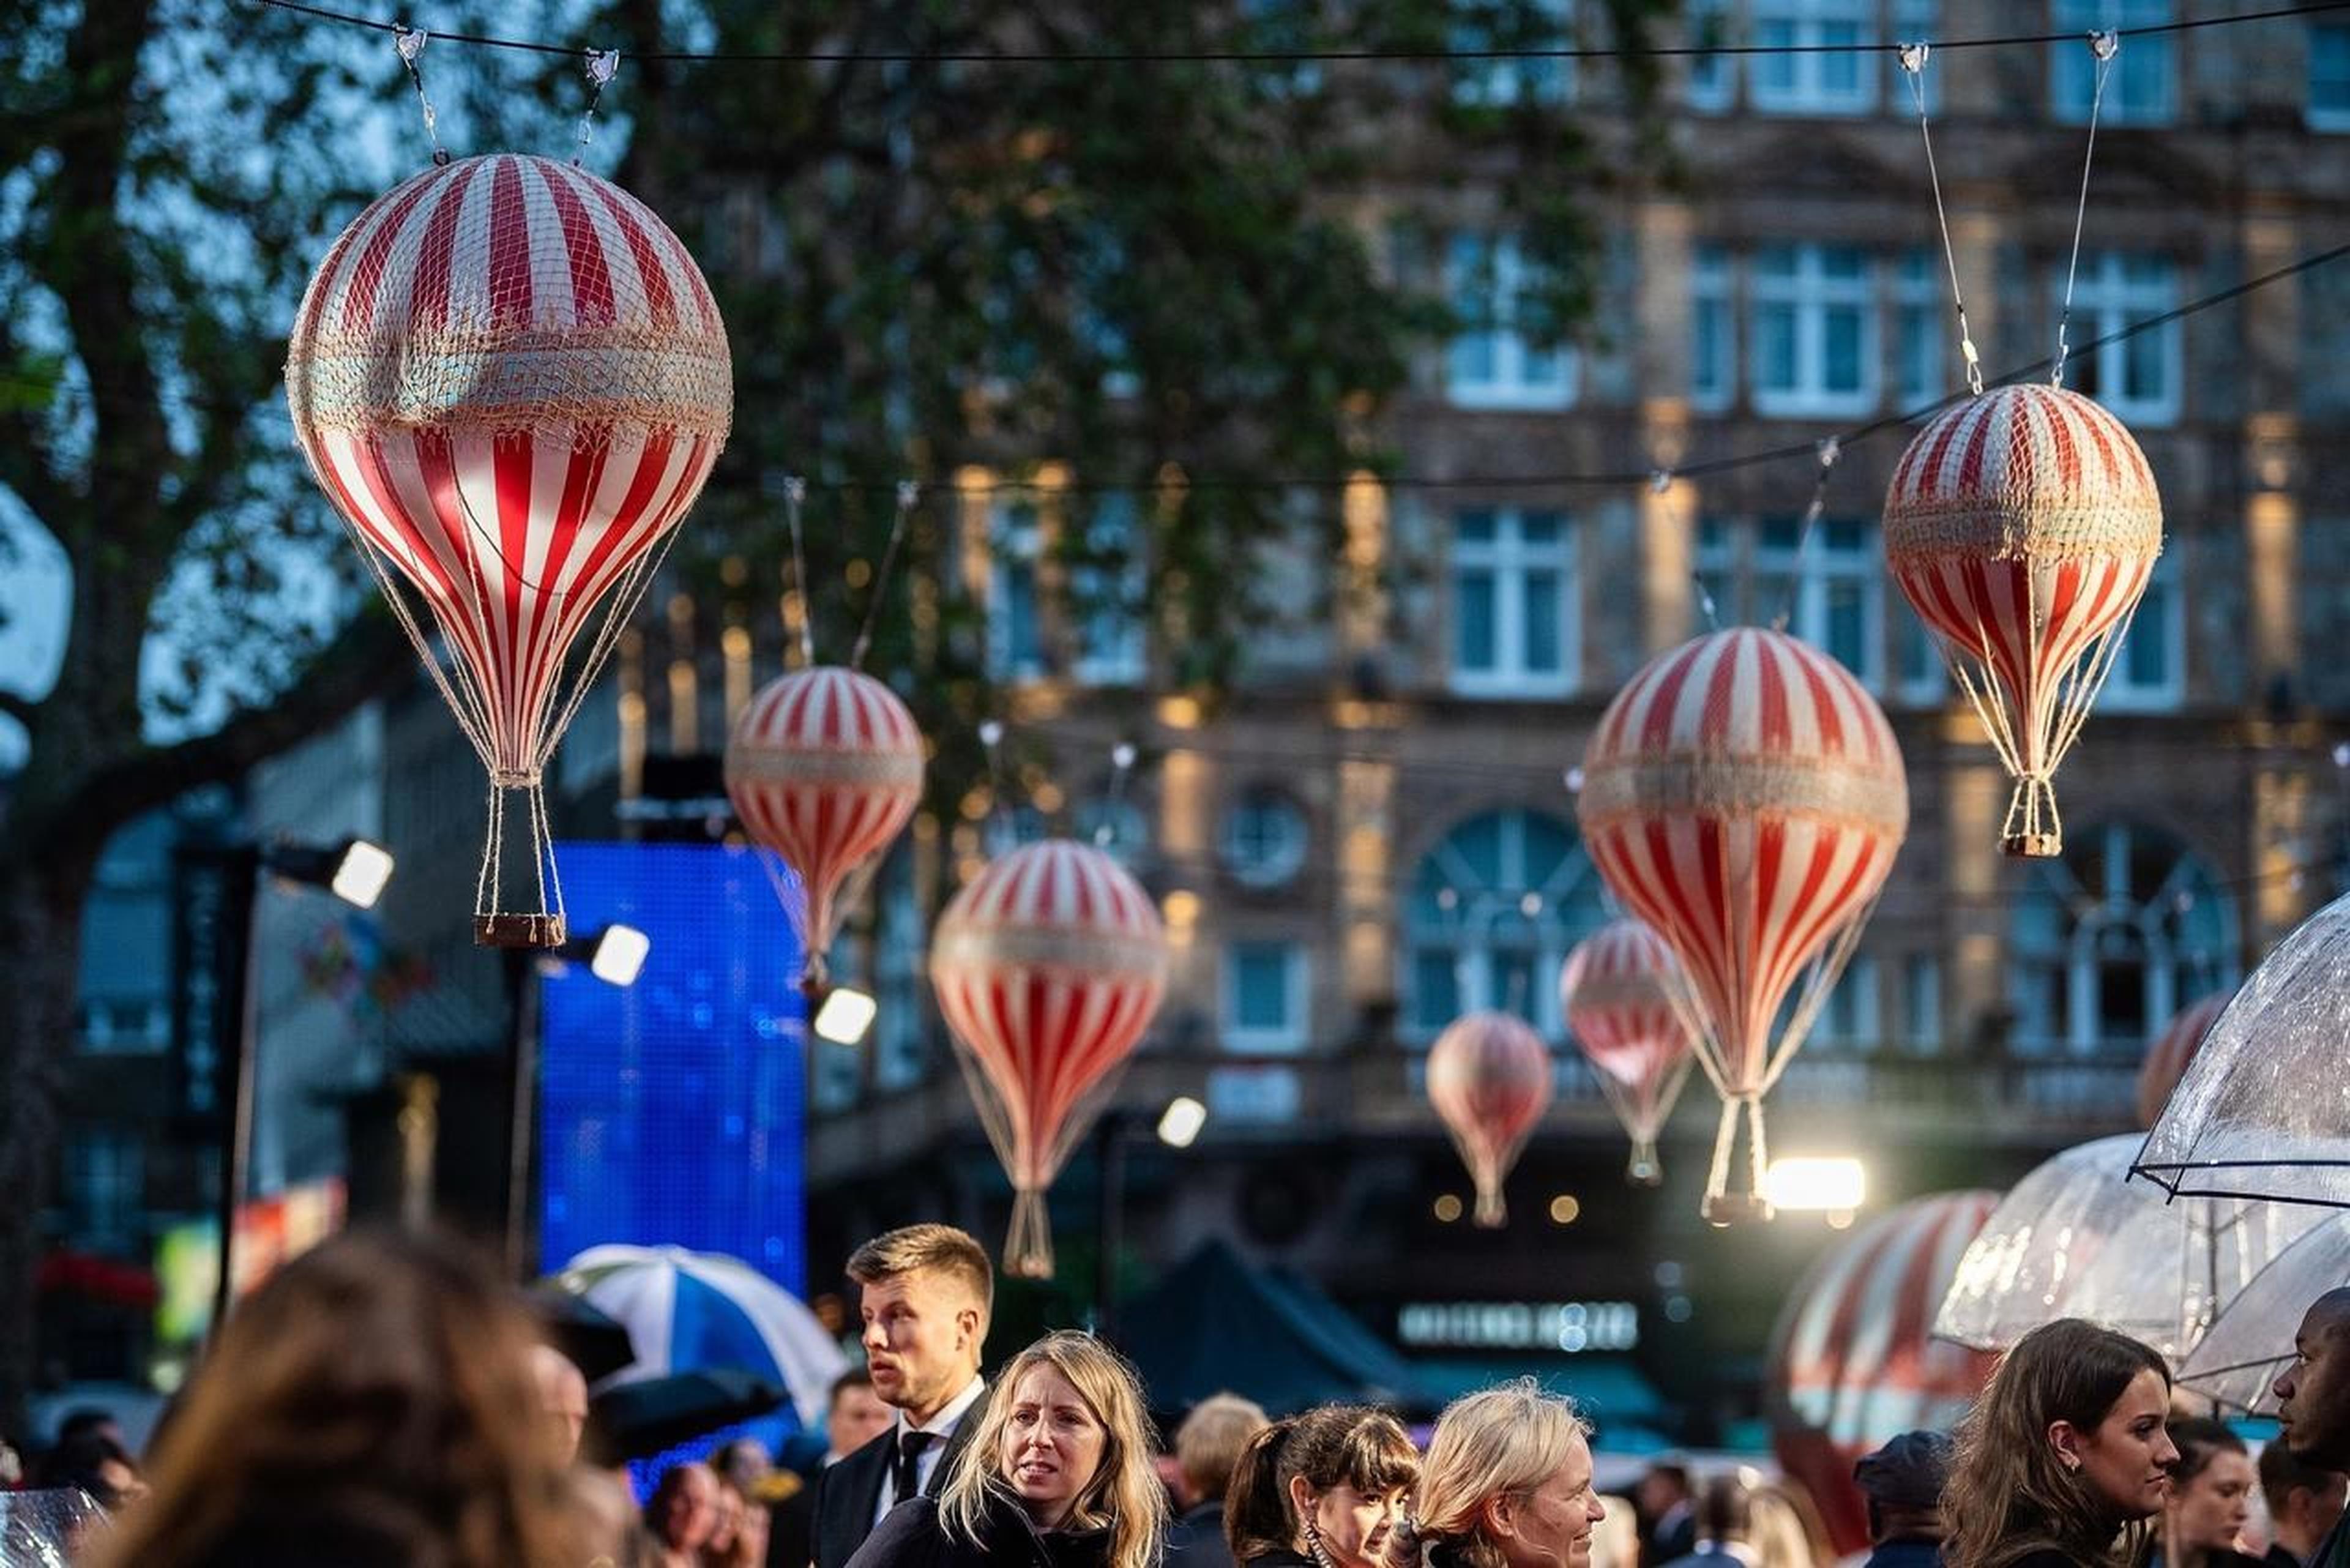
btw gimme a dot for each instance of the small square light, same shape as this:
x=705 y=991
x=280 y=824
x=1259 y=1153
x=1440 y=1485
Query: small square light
x=846 y=1013
x=619 y=955
x=362 y=874
x=1182 y=1121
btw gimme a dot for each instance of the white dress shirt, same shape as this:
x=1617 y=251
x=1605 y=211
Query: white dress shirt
x=926 y=1463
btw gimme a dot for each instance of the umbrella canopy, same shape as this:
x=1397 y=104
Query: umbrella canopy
x=653 y=1415
x=2263 y=1111
x=2250 y=1341
x=2077 y=1239
x=687 y=1311
x=597 y=1342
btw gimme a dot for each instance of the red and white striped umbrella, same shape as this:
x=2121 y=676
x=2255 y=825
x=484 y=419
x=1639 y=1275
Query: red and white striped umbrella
x=1048 y=966
x=1489 y=1078
x=2167 y=1056
x=511 y=382
x=1744 y=796
x=1616 y=992
x=1853 y=1360
x=824 y=767
x=2023 y=526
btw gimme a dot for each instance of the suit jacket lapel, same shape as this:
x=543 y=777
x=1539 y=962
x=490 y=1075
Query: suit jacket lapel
x=960 y=1440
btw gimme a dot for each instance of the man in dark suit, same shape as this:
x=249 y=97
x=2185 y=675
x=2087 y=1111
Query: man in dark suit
x=2304 y=1504
x=1666 y=1507
x=927 y=1293
x=1725 y=1526
x=1208 y=1446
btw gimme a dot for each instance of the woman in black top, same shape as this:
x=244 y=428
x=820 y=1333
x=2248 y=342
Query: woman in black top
x=1324 y=1489
x=2065 y=1456
x=2210 y=1497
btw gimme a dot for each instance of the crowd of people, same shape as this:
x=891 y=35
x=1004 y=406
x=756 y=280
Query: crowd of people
x=385 y=1400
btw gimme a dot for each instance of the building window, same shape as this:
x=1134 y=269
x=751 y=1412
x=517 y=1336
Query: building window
x=1849 y=1015
x=2150 y=672
x=1264 y=838
x=2139 y=378
x=1829 y=585
x=2329 y=75
x=1835 y=77
x=1265 y=996
x=1712 y=81
x=1495 y=361
x=2139 y=85
x=106 y=1174
x=1492 y=913
x=1513 y=25
x=1921 y=1004
x=1815 y=330
x=1919 y=677
x=1015 y=638
x=898 y=951
x=1108 y=584
x=1921 y=322
x=2110 y=942
x=1513 y=611
x=1713 y=329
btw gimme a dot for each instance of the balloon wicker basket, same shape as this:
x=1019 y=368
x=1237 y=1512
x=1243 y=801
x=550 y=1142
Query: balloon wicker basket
x=511 y=930
x=1491 y=1213
x=1644 y=1170
x=1028 y=1250
x=2032 y=830
x=1747 y=1205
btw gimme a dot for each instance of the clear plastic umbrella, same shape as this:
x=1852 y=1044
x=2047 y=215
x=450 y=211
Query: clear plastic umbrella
x=2264 y=1110
x=47 y=1529
x=2077 y=1239
x=2250 y=1341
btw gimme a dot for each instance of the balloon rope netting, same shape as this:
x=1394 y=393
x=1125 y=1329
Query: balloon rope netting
x=1030 y=1155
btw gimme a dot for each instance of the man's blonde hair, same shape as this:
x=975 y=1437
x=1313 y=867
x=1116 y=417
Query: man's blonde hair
x=929 y=1249
x=1209 y=1443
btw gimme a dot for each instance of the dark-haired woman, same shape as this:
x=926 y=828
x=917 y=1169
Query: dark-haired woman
x=2211 y=1496
x=1324 y=1489
x=2066 y=1456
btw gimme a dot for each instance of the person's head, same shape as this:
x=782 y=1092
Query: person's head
x=1209 y=1443
x=858 y=1414
x=1507 y=1482
x=743 y=1461
x=2065 y=1448
x=1902 y=1484
x=90 y=1459
x=729 y=1525
x=91 y=1419
x=1066 y=1438
x=1337 y=1476
x=927 y=1293
x=1725 y=1509
x=684 y=1510
x=1665 y=1485
x=371 y=1404
x=2303 y=1500
x=562 y=1396
x=2314 y=1393
x=2211 y=1485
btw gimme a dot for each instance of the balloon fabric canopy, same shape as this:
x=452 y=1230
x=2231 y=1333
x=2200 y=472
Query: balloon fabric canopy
x=511 y=382
x=1620 y=991
x=1489 y=1078
x=1852 y=1365
x=2264 y=1110
x=824 y=768
x=2023 y=526
x=2168 y=1054
x=1744 y=796
x=1048 y=967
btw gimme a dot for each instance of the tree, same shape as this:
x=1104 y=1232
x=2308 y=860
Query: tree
x=1140 y=273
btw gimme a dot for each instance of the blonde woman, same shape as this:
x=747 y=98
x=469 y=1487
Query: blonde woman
x=1507 y=1483
x=1058 y=1475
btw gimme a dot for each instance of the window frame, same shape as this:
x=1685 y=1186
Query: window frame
x=2120 y=694
x=1015 y=541
x=2105 y=299
x=1813 y=295
x=1809 y=24
x=1512 y=561
x=2072 y=70
x=1508 y=388
x=1294 y=1033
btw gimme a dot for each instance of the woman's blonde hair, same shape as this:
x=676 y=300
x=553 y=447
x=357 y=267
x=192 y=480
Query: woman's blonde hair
x=2008 y=1494
x=1496 y=1443
x=1123 y=1494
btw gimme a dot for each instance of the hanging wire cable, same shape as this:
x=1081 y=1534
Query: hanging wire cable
x=1914 y=59
x=2103 y=47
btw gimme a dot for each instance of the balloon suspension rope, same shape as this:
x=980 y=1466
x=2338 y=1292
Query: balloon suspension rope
x=1121 y=762
x=909 y=492
x=410 y=42
x=2103 y=46
x=1913 y=57
x=795 y=498
x=1028 y=1250
x=1660 y=486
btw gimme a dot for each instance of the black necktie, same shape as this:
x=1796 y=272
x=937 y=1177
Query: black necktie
x=906 y=1479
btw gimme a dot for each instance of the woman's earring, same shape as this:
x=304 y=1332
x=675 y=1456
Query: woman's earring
x=1313 y=1546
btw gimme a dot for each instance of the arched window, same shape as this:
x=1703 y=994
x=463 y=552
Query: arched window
x=2109 y=941
x=1491 y=915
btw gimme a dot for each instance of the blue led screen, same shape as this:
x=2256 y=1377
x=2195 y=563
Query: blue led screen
x=670 y=1111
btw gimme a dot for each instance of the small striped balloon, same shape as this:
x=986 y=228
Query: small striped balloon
x=824 y=768
x=2167 y=1057
x=2023 y=526
x=1048 y=967
x=1616 y=992
x=1853 y=1360
x=1489 y=1078
x=1744 y=796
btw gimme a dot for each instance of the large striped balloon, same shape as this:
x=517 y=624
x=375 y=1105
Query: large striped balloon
x=511 y=382
x=824 y=767
x=1852 y=1359
x=1489 y=1078
x=2023 y=526
x=1744 y=796
x=2167 y=1056
x=1048 y=966
x=1616 y=991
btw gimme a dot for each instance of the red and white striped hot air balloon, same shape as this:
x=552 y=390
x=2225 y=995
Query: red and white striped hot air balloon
x=511 y=382
x=1852 y=1359
x=1616 y=992
x=1489 y=1078
x=2023 y=526
x=1744 y=796
x=824 y=767
x=2170 y=1052
x=1048 y=966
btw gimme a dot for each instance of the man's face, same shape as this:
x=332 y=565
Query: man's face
x=2314 y=1393
x=692 y=1513
x=921 y=1339
x=858 y=1416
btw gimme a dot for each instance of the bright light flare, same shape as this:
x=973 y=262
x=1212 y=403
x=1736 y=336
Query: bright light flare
x=845 y=1016
x=1182 y=1121
x=362 y=874
x=1837 y=1185
x=619 y=955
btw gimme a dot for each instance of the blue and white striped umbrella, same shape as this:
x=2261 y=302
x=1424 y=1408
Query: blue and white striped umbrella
x=686 y=1312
